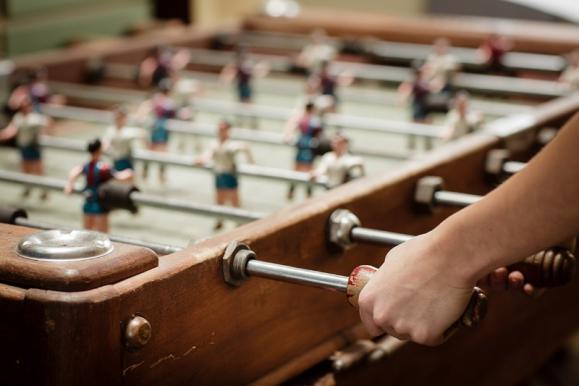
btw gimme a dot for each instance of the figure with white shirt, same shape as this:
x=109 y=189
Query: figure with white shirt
x=338 y=166
x=222 y=157
x=119 y=140
x=441 y=66
x=317 y=51
x=461 y=120
x=26 y=126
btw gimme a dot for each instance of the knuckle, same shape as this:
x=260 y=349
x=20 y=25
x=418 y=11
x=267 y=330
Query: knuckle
x=366 y=300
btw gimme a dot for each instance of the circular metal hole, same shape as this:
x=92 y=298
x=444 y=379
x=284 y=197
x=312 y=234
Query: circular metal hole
x=59 y=245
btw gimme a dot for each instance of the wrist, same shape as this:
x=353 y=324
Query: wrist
x=461 y=258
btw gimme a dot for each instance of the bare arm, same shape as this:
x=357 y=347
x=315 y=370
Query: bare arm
x=72 y=177
x=248 y=154
x=8 y=132
x=424 y=284
x=227 y=74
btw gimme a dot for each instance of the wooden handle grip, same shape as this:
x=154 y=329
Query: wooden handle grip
x=474 y=313
x=552 y=267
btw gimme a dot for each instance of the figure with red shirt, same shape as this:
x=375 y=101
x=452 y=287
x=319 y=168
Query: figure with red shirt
x=96 y=173
x=308 y=128
x=492 y=52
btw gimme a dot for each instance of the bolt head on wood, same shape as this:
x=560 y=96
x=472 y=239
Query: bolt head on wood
x=234 y=262
x=426 y=187
x=495 y=160
x=340 y=226
x=137 y=333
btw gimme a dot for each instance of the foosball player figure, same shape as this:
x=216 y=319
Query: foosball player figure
x=417 y=92
x=119 y=140
x=25 y=127
x=312 y=55
x=159 y=109
x=222 y=157
x=34 y=88
x=441 y=66
x=461 y=120
x=492 y=52
x=308 y=128
x=325 y=83
x=338 y=166
x=96 y=173
x=242 y=72
x=161 y=64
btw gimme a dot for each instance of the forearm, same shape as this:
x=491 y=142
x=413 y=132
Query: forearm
x=533 y=210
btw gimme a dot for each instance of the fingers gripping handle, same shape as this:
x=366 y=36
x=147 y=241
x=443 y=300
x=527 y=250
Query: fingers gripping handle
x=474 y=313
x=553 y=267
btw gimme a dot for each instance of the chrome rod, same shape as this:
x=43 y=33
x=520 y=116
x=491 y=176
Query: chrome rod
x=513 y=167
x=202 y=129
x=257 y=171
x=391 y=74
x=144 y=199
x=455 y=199
x=360 y=234
x=399 y=51
x=351 y=94
x=236 y=214
x=275 y=113
x=297 y=275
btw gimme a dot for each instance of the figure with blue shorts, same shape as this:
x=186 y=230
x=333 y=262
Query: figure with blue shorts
x=416 y=92
x=308 y=128
x=118 y=141
x=26 y=127
x=242 y=72
x=222 y=158
x=159 y=109
x=96 y=173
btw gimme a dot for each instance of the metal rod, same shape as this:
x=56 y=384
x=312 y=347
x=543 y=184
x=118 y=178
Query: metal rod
x=297 y=275
x=274 y=113
x=197 y=129
x=350 y=94
x=161 y=249
x=454 y=198
x=257 y=171
x=235 y=214
x=405 y=52
x=513 y=167
x=367 y=235
x=473 y=82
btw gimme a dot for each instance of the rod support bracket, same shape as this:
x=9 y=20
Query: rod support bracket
x=340 y=226
x=234 y=263
x=424 y=194
x=495 y=162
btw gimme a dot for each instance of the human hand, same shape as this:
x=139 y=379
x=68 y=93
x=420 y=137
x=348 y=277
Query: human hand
x=418 y=293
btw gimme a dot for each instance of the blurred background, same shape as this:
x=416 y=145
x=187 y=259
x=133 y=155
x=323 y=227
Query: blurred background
x=33 y=25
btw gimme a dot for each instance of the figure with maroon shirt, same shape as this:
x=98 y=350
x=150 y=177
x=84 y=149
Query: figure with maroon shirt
x=308 y=128
x=96 y=173
x=161 y=63
x=417 y=91
x=325 y=83
x=156 y=112
x=493 y=51
x=34 y=88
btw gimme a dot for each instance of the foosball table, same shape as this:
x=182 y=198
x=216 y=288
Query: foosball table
x=82 y=309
